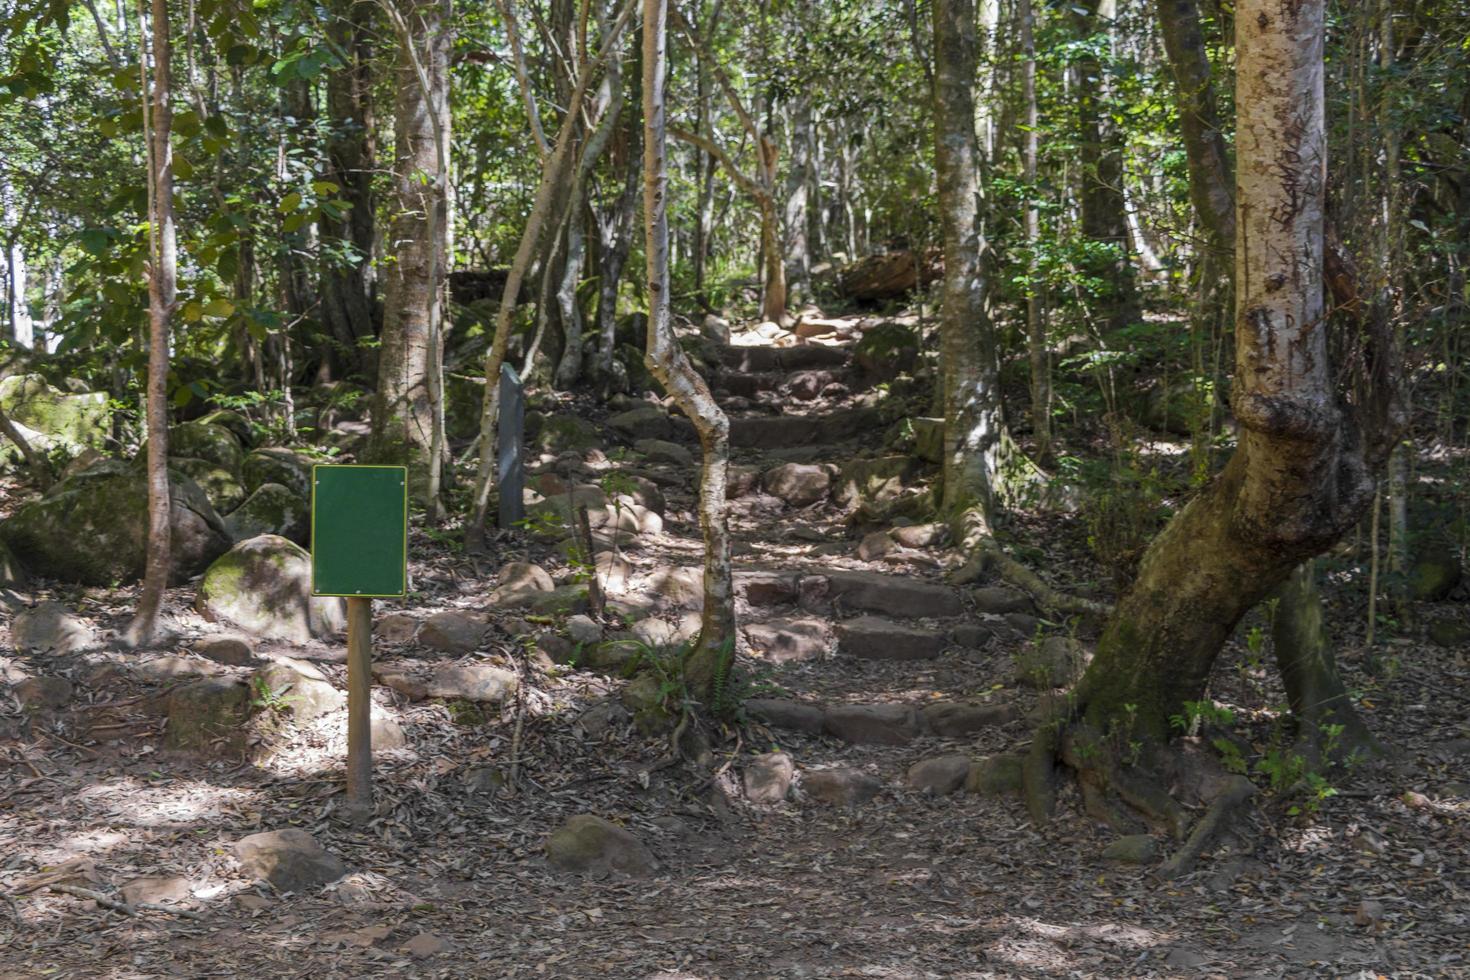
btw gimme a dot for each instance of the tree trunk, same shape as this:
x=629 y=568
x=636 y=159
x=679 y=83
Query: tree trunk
x=407 y=405
x=707 y=666
x=1036 y=345
x=347 y=311
x=798 y=257
x=968 y=366
x=162 y=288
x=615 y=230
x=1302 y=473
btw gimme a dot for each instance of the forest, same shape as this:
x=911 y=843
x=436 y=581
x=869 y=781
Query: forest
x=905 y=489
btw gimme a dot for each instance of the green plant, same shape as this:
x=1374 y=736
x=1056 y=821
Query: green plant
x=1199 y=713
x=265 y=699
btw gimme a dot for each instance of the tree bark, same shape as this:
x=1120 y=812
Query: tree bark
x=707 y=665
x=797 y=247
x=162 y=289
x=1036 y=344
x=1302 y=472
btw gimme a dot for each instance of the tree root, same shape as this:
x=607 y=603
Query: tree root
x=1237 y=791
x=986 y=556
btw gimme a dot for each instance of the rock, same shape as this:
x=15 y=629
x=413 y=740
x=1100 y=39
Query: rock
x=72 y=421
x=1133 y=849
x=51 y=628
x=272 y=509
x=678 y=588
x=236 y=423
x=92 y=528
x=995 y=775
x=12 y=572
x=222 y=487
x=887 y=351
x=291 y=860
x=970 y=635
x=876 y=545
x=386 y=733
x=894 y=595
x=871 y=724
x=613 y=571
x=584 y=630
x=1435 y=573
x=522 y=576
x=560 y=433
x=783 y=641
x=667 y=453
x=919 y=535
x=214 y=443
x=1449 y=633
x=157 y=890
x=951 y=719
x=1022 y=623
x=840 y=787
x=166 y=670
x=484 y=779
x=715 y=328
x=873 y=638
x=928 y=439
x=44 y=692
x=401 y=681
x=741 y=480
x=602 y=717
x=941 y=775
x=780 y=713
x=798 y=484
x=399 y=627
x=427 y=944
x=586 y=843
x=287 y=467
x=452 y=632
x=765 y=588
x=263 y=586
x=643 y=422
x=877 y=481
x=768 y=777
x=647 y=697
x=1369 y=914
x=208 y=715
x=1054 y=662
x=472 y=682
x=298 y=687
x=997 y=601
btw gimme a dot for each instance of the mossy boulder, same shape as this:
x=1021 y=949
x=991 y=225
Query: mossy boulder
x=272 y=509
x=220 y=485
x=72 y=420
x=234 y=421
x=877 y=480
x=1435 y=572
x=208 y=716
x=586 y=843
x=92 y=528
x=263 y=586
x=560 y=432
x=886 y=351
x=215 y=443
x=289 y=468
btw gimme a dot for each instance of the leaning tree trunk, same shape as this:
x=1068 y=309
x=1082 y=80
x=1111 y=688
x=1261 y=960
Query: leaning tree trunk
x=1199 y=119
x=708 y=662
x=1302 y=472
x=162 y=288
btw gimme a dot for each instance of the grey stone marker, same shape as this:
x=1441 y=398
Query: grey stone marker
x=511 y=459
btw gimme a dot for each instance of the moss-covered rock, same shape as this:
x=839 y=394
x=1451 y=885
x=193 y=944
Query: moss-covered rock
x=73 y=420
x=220 y=485
x=995 y=775
x=272 y=509
x=560 y=432
x=92 y=528
x=208 y=716
x=1435 y=572
x=215 y=443
x=586 y=843
x=263 y=586
x=878 y=480
x=886 y=351
x=289 y=468
x=234 y=421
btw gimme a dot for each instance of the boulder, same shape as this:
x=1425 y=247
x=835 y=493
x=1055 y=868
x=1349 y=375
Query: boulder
x=798 y=484
x=643 y=422
x=73 y=421
x=208 y=715
x=878 y=480
x=297 y=687
x=233 y=421
x=780 y=713
x=840 y=787
x=51 y=628
x=767 y=777
x=230 y=650
x=223 y=488
x=472 y=682
x=524 y=576
x=665 y=452
x=584 y=629
x=44 y=692
x=586 y=843
x=996 y=775
x=291 y=860
x=872 y=724
x=399 y=627
x=715 y=328
x=874 y=638
x=560 y=432
x=1133 y=849
x=1435 y=573
x=213 y=443
x=997 y=600
x=941 y=775
x=1054 y=662
x=1449 y=633
x=287 y=467
x=741 y=480
x=788 y=640
x=263 y=586
x=92 y=528
x=452 y=632
x=272 y=509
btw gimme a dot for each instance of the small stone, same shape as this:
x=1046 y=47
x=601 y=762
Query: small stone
x=229 y=650
x=289 y=859
x=840 y=787
x=643 y=422
x=872 y=724
x=1022 y=623
x=472 y=682
x=919 y=535
x=399 y=627
x=941 y=775
x=998 y=600
x=401 y=681
x=452 y=632
x=970 y=635
x=668 y=453
x=587 y=843
x=524 y=576
x=51 y=628
x=1369 y=914
x=780 y=713
x=876 y=545
x=44 y=692
x=768 y=777
x=798 y=484
x=1133 y=849
x=157 y=890
x=597 y=720
x=162 y=670
x=584 y=629
x=426 y=944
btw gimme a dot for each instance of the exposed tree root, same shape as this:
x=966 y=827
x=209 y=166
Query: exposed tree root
x=972 y=531
x=1237 y=790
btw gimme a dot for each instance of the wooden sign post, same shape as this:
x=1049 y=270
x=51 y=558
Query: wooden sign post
x=359 y=551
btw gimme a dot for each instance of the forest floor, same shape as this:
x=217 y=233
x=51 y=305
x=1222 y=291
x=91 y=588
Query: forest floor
x=450 y=879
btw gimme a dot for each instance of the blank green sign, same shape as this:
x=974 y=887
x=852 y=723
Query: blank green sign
x=359 y=530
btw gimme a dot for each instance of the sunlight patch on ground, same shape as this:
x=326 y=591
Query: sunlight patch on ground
x=139 y=803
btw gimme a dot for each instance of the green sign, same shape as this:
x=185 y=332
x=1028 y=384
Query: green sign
x=359 y=530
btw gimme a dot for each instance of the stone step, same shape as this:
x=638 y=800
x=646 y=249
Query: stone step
x=802 y=385
x=759 y=360
x=776 y=431
x=853 y=591
x=875 y=638
x=882 y=724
